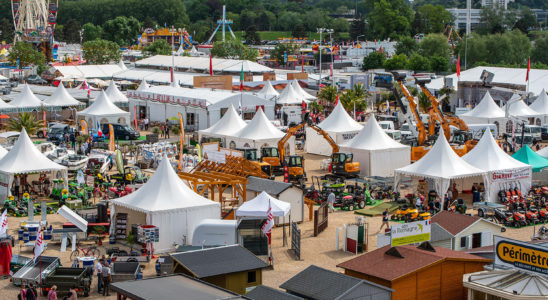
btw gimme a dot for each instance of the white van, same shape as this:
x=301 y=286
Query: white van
x=533 y=130
x=477 y=130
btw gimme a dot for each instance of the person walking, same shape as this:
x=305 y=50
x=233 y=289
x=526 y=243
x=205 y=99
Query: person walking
x=22 y=292
x=106 y=279
x=146 y=123
x=418 y=202
x=72 y=138
x=163 y=131
x=385 y=214
x=99 y=269
x=72 y=295
x=52 y=294
x=31 y=292
x=331 y=201
x=17 y=184
x=167 y=129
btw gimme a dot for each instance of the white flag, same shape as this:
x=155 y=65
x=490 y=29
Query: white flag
x=269 y=220
x=39 y=245
x=4 y=222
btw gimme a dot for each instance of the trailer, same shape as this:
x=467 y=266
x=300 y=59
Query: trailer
x=30 y=272
x=486 y=209
x=123 y=271
x=65 y=278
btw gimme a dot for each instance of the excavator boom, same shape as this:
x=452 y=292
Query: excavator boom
x=420 y=125
x=436 y=107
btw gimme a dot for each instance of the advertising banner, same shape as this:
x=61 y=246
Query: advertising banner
x=410 y=233
x=510 y=175
x=521 y=255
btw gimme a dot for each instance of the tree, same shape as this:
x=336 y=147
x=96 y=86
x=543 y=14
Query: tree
x=266 y=21
x=101 y=52
x=247 y=18
x=122 y=30
x=91 y=32
x=316 y=18
x=6 y=30
x=439 y=64
x=434 y=18
x=71 y=31
x=540 y=52
x=328 y=94
x=527 y=20
x=299 y=32
x=148 y=23
x=357 y=28
x=24 y=120
x=389 y=18
x=494 y=19
x=251 y=36
x=289 y=19
x=58 y=32
x=435 y=44
x=424 y=102
x=340 y=25
x=406 y=45
x=476 y=50
x=281 y=49
x=373 y=61
x=26 y=54
x=233 y=49
x=158 y=47
x=418 y=62
x=396 y=62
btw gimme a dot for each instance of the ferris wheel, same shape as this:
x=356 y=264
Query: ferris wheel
x=34 y=20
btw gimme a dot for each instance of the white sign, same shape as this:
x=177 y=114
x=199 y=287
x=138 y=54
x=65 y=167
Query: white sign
x=410 y=233
x=511 y=174
x=521 y=255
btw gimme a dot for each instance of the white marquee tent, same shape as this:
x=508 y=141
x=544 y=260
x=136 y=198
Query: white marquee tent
x=27 y=101
x=115 y=95
x=24 y=158
x=143 y=86
x=258 y=207
x=6 y=107
x=543 y=152
x=61 y=98
x=229 y=125
x=377 y=153
x=541 y=106
x=340 y=127
x=441 y=164
x=167 y=202
x=300 y=91
x=520 y=109
x=290 y=97
x=268 y=91
x=103 y=111
x=3 y=152
x=486 y=112
x=501 y=168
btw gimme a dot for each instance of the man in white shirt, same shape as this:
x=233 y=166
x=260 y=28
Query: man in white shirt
x=106 y=279
x=99 y=269
x=331 y=201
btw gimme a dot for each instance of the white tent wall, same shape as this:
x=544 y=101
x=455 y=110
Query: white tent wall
x=384 y=162
x=291 y=196
x=259 y=144
x=250 y=103
x=316 y=143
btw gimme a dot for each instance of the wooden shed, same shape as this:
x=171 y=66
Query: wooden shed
x=422 y=272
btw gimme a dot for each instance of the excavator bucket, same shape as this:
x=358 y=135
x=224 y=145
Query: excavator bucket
x=422 y=80
x=399 y=76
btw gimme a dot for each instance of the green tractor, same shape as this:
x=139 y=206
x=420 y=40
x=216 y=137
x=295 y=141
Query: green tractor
x=57 y=189
x=13 y=210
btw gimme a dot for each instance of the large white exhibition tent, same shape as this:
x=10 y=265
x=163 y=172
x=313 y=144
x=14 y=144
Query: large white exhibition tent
x=6 y=107
x=441 y=165
x=520 y=109
x=229 y=125
x=377 y=153
x=340 y=127
x=502 y=169
x=115 y=95
x=168 y=203
x=103 y=111
x=25 y=158
x=300 y=91
x=268 y=91
x=290 y=97
x=27 y=101
x=486 y=112
x=541 y=106
x=258 y=207
x=61 y=98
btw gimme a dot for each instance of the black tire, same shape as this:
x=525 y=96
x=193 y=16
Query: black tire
x=350 y=207
x=481 y=214
x=361 y=204
x=131 y=260
x=40 y=134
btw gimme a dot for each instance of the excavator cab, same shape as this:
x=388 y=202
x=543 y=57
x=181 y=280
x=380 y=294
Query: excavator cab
x=342 y=164
x=271 y=156
x=251 y=155
x=295 y=167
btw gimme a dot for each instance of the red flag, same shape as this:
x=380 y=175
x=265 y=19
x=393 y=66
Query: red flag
x=172 y=74
x=242 y=79
x=458 y=66
x=337 y=100
x=528 y=69
x=303 y=105
x=210 y=65
x=302 y=63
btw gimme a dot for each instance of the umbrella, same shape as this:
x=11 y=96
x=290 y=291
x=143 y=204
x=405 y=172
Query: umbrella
x=4 y=117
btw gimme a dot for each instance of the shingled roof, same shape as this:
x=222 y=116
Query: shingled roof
x=262 y=292
x=454 y=223
x=274 y=188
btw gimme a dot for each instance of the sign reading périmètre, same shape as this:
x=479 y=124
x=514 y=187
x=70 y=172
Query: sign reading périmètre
x=511 y=174
x=410 y=233
x=521 y=255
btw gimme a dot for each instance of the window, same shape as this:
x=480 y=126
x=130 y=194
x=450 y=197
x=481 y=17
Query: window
x=190 y=118
x=476 y=240
x=251 y=277
x=463 y=242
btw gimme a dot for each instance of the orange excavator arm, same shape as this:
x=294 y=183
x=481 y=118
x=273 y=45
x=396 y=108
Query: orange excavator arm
x=326 y=136
x=436 y=108
x=281 y=143
x=457 y=122
x=420 y=125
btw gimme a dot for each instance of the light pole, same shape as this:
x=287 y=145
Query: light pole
x=320 y=30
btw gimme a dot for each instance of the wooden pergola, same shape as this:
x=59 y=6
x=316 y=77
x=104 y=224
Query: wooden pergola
x=213 y=181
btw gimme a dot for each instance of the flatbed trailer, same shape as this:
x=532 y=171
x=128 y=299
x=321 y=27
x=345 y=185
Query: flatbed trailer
x=30 y=272
x=486 y=209
x=65 y=278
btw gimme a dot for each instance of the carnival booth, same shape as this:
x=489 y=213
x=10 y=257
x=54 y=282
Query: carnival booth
x=25 y=158
x=502 y=169
x=229 y=125
x=167 y=202
x=440 y=166
x=115 y=95
x=340 y=127
x=377 y=153
x=541 y=106
x=26 y=101
x=486 y=112
x=103 y=111
x=258 y=133
x=268 y=92
x=540 y=164
x=300 y=91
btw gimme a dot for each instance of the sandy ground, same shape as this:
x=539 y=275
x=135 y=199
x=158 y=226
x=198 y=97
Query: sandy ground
x=315 y=250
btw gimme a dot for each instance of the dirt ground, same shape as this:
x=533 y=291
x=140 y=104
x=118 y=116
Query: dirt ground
x=319 y=250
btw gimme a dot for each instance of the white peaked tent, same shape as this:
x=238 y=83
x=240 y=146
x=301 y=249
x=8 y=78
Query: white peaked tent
x=26 y=100
x=543 y=152
x=340 y=127
x=6 y=107
x=24 y=158
x=3 y=152
x=114 y=94
x=122 y=65
x=441 y=164
x=258 y=207
x=174 y=84
x=229 y=125
x=520 y=109
x=168 y=203
x=258 y=133
x=300 y=91
x=290 y=97
x=143 y=86
x=377 y=153
x=103 y=111
x=486 y=112
x=501 y=168
x=61 y=98
x=541 y=106
x=268 y=92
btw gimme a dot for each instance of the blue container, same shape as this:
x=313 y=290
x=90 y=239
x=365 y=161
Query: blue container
x=20 y=233
x=32 y=228
x=139 y=275
x=32 y=238
x=25 y=237
x=47 y=236
x=112 y=240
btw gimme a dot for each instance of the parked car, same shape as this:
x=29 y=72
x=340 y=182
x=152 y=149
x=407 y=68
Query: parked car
x=40 y=132
x=35 y=79
x=544 y=132
x=57 y=132
x=121 y=131
x=5 y=86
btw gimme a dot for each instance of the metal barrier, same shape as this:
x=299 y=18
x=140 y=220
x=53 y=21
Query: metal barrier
x=321 y=216
x=296 y=240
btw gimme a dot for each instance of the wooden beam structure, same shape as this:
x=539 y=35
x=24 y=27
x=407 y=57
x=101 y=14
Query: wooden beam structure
x=214 y=181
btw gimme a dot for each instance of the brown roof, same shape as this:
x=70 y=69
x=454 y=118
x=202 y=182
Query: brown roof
x=454 y=223
x=381 y=265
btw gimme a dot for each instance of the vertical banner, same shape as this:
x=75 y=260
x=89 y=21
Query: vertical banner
x=84 y=125
x=111 y=146
x=181 y=141
x=44 y=119
x=135 y=116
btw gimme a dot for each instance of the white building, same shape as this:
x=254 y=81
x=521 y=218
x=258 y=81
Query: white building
x=500 y=3
x=460 y=15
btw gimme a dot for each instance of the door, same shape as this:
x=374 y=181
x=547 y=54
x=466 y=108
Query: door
x=337 y=163
x=476 y=240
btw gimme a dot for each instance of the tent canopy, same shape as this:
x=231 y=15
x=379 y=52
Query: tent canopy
x=114 y=93
x=372 y=137
x=528 y=156
x=520 y=109
x=268 y=91
x=339 y=121
x=487 y=109
x=488 y=156
x=229 y=125
x=258 y=207
x=543 y=152
x=541 y=104
x=300 y=91
x=143 y=86
x=290 y=97
x=3 y=152
x=6 y=106
x=102 y=106
x=260 y=128
x=61 y=98
x=26 y=99
x=164 y=191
